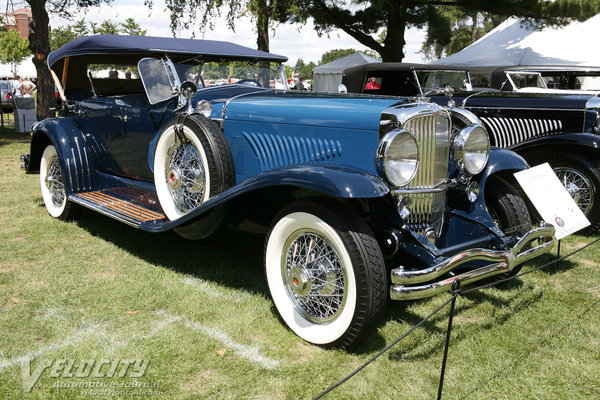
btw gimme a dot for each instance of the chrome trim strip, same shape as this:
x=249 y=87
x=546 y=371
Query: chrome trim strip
x=239 y=96
x=87 y=163
x=70 y=174
x=80 y=162
x=503 y=261
x=75 y=168
x=525 y=108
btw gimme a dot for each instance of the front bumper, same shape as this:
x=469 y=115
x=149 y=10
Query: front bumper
x=404 y=281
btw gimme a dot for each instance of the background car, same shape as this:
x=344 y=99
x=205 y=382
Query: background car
x=5 y=87
x=546 y=78
x=561 y=129
x=361 y=199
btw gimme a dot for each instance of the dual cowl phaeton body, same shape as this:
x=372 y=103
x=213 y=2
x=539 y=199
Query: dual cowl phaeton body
x=362 y=198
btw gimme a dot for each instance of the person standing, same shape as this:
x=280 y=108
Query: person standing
x=26 y=87
x=16 y=83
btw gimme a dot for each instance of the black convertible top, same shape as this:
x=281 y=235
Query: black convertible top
x=146 y=45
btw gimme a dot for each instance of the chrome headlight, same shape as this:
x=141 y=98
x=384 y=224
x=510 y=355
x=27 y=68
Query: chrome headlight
x=204 y=107
x=398 y=157
x=471 y=149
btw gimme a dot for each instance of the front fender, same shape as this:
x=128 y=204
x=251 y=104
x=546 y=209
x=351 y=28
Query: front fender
x=579 y=142
x=335 y=181
x=502 y=160
x=73 y=152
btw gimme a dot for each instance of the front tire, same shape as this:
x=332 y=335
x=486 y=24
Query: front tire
x=509 y=212
x=53 y=187
x=325 y=273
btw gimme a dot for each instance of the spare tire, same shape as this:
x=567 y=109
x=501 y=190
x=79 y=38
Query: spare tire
x=192 y=163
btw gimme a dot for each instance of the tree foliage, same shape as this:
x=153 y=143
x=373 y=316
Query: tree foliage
x=130 y=27
x=200 y=14
x=304 y=70
x=13 y=49
x=365 y=19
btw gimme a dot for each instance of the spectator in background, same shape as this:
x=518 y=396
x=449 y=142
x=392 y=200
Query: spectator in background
x=26 y=87
x=15 y=86
x=127 y=74
x=113 y=74
x=300 y=85
x=372 y=84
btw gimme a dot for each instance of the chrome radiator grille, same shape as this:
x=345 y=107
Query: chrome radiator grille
x=427 y=209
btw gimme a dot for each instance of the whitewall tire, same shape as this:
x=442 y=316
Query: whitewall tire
x=325 y=273
x=52 y=183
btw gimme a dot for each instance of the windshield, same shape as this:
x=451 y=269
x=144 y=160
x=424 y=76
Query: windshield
x=522 y=80
x=254 y=73
x=430 y=80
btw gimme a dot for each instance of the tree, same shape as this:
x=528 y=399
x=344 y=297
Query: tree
x=130 y=27
x=463 y=28
x=336 y=54
x=60 y=36
x=13 y=49
x=185 y=13
x=364 y=19
x=39 y=44
x=304 y=70
x=105 y=28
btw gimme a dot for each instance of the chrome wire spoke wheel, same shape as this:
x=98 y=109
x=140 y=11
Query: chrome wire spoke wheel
x=313 y=276
x=578 y=185
x=185 y=175
x=54 y=182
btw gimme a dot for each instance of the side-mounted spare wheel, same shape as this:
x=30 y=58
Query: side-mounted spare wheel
x=325 y=273
x=52 y=183
x=192 y=163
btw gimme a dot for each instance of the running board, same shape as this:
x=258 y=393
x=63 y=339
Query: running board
x=131 y=206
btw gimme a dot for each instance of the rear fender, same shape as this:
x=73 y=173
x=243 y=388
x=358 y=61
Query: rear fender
x=75 y=155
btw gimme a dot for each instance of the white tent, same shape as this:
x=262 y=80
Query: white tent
x=25 y=68
x=327 y=77
x=514 y=43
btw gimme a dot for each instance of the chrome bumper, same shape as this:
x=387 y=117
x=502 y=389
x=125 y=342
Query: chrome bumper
x=501 y=261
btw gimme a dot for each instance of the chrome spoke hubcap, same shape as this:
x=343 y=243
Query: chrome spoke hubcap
x=314 y=278
x=54 y=182
x=185 y=175
x=579 y=187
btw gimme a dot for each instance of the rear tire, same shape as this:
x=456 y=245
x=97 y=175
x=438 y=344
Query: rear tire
x=53 y=187
x=325 y=273
x=509 y=212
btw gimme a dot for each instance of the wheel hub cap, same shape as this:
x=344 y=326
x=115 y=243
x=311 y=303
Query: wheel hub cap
x=174 y=179
x=299 y=281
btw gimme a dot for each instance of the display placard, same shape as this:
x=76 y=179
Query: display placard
x=551 y=200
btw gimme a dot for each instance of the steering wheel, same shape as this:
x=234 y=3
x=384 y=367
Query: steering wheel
x=251 y=82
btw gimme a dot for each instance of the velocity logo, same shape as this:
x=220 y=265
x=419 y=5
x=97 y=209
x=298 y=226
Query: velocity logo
x=70 y=368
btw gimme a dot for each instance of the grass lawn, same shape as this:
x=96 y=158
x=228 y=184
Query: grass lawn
x=200 y=316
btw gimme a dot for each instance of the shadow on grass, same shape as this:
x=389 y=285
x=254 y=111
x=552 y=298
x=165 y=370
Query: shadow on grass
x=233 y=259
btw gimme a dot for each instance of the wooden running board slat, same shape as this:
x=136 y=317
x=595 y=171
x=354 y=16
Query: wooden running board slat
x=125 y=203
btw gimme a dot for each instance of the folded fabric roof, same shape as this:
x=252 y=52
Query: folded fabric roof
x=122 y=44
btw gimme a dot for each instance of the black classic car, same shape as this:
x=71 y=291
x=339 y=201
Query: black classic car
x=560 y=128
x=362 y=198
x=547 y=78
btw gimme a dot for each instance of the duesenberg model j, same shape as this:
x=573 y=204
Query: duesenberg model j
x=363 y=199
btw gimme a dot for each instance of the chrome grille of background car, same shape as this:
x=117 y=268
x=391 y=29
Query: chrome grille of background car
x=427 y=209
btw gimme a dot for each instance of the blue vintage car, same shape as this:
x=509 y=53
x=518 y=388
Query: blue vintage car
x=363 y=199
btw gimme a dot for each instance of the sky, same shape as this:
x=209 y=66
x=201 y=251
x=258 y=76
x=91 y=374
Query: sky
x=293 y=41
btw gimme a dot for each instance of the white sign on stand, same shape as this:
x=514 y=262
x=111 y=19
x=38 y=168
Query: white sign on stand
x=552 y=200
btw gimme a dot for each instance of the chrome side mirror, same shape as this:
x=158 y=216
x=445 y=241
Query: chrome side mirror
x=188 y=89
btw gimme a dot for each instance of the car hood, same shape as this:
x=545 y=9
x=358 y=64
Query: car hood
x=299 y=108
x=519 y=100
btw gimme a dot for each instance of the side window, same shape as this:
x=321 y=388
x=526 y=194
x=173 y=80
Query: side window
x=373 y=83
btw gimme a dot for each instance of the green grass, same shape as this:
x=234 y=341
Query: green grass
x=97 y=289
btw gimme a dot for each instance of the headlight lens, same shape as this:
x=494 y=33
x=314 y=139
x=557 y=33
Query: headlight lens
x=472 y=149
x=398 y=157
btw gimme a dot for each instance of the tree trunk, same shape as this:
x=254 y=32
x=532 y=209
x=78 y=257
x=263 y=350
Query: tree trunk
x=396 y=26
x=262 y=25
x=39 y=44
x=474 y=27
